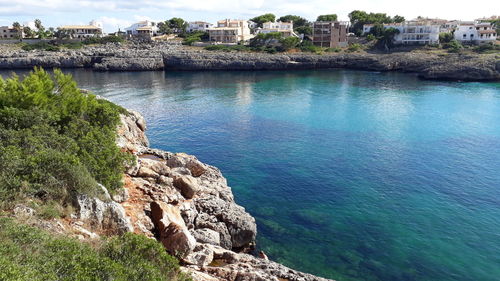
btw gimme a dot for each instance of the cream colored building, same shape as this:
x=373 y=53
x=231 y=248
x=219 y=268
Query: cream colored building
x=230 y=31
x=198 y=26
x=285 y=28
x=93 y=29
x=9 y=32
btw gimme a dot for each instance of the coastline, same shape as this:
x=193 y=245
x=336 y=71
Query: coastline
x=164 y=56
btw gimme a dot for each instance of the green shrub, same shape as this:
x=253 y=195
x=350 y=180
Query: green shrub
x=355 y=47
x=308 y=46
x=44 y=46
x=103 y=40
x=55 y=141
x=229 y=48
x=487 y=48
x=265 y=39
x=334 y=50
x=289 y=43
x=190 y=38
x=370 y=37
x=453 y=46
x=27 y=253
x=445 y=37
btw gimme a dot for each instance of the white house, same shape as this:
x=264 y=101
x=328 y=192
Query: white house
x=475 y=32
x=412 y=32
x=285 y=28
x=93 y=29
x=143 y=28
x=198 y=26
x=230 y=31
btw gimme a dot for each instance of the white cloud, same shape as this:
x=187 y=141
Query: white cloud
x=113 y=24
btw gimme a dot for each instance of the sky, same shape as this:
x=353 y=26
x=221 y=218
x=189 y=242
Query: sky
x=116 y=14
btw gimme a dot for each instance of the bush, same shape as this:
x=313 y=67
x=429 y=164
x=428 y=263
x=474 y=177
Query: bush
x=266 y=39
x=487 y=48
x=370 y=37
x=453 y=46
x=308 y=46
x=44 y=46
x=198 y=36
x=27 y=253
x=289 y=43
x=355 y=47
x=103 y=40
x=226 y=48
x=445 y=37
x=56 y=141
x=333 y=50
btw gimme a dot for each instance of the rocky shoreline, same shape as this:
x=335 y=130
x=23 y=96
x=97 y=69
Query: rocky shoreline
x=187 y=206
x=165 y=56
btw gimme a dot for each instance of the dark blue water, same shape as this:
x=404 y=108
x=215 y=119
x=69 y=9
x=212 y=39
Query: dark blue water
x=350 y=175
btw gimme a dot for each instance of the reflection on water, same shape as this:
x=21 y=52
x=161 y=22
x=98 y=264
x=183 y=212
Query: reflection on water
x=350 y=175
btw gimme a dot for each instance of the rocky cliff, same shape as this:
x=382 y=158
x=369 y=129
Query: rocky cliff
x=188 y=206
x=163 y=56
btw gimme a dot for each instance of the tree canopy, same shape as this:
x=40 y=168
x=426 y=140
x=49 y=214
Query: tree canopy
x=360 y=18
x=300 y=24
x=17 y=26
x=177 y=25
x=329 y=17
x=298 y=21
x=259 y=20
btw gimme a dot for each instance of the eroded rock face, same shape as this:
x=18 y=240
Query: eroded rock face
x=103 y=216
x=131 y=132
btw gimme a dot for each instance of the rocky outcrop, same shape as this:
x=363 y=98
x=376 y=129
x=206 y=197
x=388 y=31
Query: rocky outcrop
x=232 y=266
x=188 y=206
x=108 y=217
x=171 y=229
x=169 y=56
x=427 y=65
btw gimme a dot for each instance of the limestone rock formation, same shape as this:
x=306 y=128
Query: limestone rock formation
x=107 y=216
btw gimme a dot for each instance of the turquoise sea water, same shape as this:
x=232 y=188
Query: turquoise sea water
x=350 y=175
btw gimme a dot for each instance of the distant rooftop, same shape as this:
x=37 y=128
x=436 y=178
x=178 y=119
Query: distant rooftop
x=79 y=27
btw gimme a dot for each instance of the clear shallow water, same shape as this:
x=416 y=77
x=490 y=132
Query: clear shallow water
x=350 y=175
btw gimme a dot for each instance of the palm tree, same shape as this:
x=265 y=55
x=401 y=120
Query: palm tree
x=387 y=39
x=40 y=29
x=28 y=32
x=17 y=26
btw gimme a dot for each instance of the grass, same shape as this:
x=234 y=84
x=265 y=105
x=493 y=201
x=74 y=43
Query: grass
x=29 y=253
